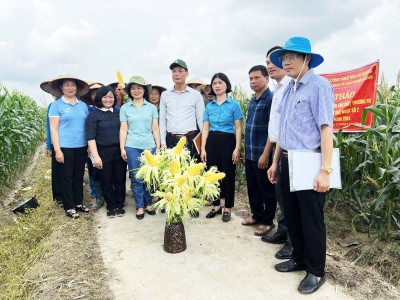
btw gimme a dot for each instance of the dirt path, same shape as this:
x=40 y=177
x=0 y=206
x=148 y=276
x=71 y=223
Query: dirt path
x=222 y=261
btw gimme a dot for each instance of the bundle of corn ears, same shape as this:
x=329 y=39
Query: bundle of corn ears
x=182 y=185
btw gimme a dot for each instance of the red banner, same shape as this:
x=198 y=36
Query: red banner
x=354 y=91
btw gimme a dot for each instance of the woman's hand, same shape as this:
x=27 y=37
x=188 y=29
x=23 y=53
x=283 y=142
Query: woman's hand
x=203 y=156
x=98 y=163
x=235 y=156
x=60 y=156
x=48 y=153
x=123 y=155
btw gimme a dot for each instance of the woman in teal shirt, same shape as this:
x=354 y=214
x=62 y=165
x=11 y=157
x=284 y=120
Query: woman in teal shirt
x=221 y=139
x=139 y=131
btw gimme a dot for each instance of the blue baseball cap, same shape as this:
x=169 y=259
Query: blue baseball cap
x=297 y=44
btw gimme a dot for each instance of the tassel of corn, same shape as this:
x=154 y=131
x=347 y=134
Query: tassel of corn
x=179 y=147
x=151 y=160
x=174 y=167
x=180 y=180
x=195 y=169
x=213 y=177
x=119 y=76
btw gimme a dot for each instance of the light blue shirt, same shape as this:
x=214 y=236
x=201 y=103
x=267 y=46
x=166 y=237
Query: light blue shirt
x=222 y=117
x=140 y=120
x=71 y=130
x=180 y=112
x=304 y=110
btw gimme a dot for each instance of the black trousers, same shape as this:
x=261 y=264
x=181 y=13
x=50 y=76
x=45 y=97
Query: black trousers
x=55 y=177
x=305 y=221
x=172 y=140
x=261 y=193
x=112 y=176
x=72 y=171
x=219 y=148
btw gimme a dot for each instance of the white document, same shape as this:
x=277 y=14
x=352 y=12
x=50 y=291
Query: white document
x=305 y=165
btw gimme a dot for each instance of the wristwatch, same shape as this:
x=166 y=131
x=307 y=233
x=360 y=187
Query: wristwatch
x=328 y=170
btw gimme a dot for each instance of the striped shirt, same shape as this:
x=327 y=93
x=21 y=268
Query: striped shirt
x=180 y=112
x=304 y=110
x=257 y=125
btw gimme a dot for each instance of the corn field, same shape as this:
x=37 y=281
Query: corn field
x=22 y=125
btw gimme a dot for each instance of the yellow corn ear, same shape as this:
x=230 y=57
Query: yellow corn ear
x=180 y=180
x=187 y=195
x=151 y=160
x=179 y=147
x=174 y=167
x=169 y=196
x=213 y=177
x=195 y=169
x=119 y=76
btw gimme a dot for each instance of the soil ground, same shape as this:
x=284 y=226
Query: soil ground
x=122 y=258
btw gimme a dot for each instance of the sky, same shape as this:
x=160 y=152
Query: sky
x=40 y=39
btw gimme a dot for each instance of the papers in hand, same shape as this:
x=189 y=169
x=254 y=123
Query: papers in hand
x=305 y=165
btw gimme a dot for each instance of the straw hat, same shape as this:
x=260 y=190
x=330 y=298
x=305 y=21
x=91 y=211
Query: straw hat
x=54 y=85
x=43 y=85
x=159 y=87
x=195 y=80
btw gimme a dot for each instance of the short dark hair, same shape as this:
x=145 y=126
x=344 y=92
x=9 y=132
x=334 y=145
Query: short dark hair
x=261 y=68
x=101 y=92
x=273 y=49
x=146 y=91
x=225 y=79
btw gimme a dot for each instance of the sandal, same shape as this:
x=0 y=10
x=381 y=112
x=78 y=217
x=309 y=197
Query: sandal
x=249 y=221
x=263 y=229
x=82 y=208
x=71 y=213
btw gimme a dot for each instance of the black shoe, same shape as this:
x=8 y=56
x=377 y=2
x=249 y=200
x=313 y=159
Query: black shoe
x=226 y=216
x=163 y=210
x=151 y=212
x=82 y=208
x=285 y=252
x=276 y=238
x=195 y=214
x=290 y=266
x=140 y=216
x=310 y=284
x=120 y=212
x=111 y=213
x=213 y=213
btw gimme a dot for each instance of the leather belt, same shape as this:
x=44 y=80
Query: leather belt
x=187 y=134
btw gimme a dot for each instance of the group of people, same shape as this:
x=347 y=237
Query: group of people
x=297 y=116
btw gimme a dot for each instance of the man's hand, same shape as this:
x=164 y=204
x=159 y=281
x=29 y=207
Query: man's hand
x=272 y=173
x=163 y=147
x=321 y=182
x=48 y=153
x=263 y=161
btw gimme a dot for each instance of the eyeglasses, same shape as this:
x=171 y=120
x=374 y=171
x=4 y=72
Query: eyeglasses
x=290 y=56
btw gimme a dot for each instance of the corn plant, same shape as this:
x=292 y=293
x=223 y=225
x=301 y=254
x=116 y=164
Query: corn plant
x=370 y=163
x=22 y=125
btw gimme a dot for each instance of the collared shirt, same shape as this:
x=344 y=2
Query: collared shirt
x=71 y=129
x=107 y=109
x=180 y=112
x=103 y=127
x=140 y=120
x=257 y=125
x=304 y=110
x=275 y=116
x=222 y=117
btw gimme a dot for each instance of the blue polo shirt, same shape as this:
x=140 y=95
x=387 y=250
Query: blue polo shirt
x=257 y=125
x=71 y=129
x=140 y=120
x=222 y=117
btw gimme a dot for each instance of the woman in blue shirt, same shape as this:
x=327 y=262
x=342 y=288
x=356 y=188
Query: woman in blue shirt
x=139 y=131
x=67 y=127
x=221 y=140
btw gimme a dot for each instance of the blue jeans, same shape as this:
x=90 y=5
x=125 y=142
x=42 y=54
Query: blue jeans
x=140 y=191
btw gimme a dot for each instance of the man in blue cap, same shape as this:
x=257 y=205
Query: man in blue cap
x=306 y=124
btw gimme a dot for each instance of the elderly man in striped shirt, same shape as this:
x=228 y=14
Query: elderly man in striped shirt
x=306 y=124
